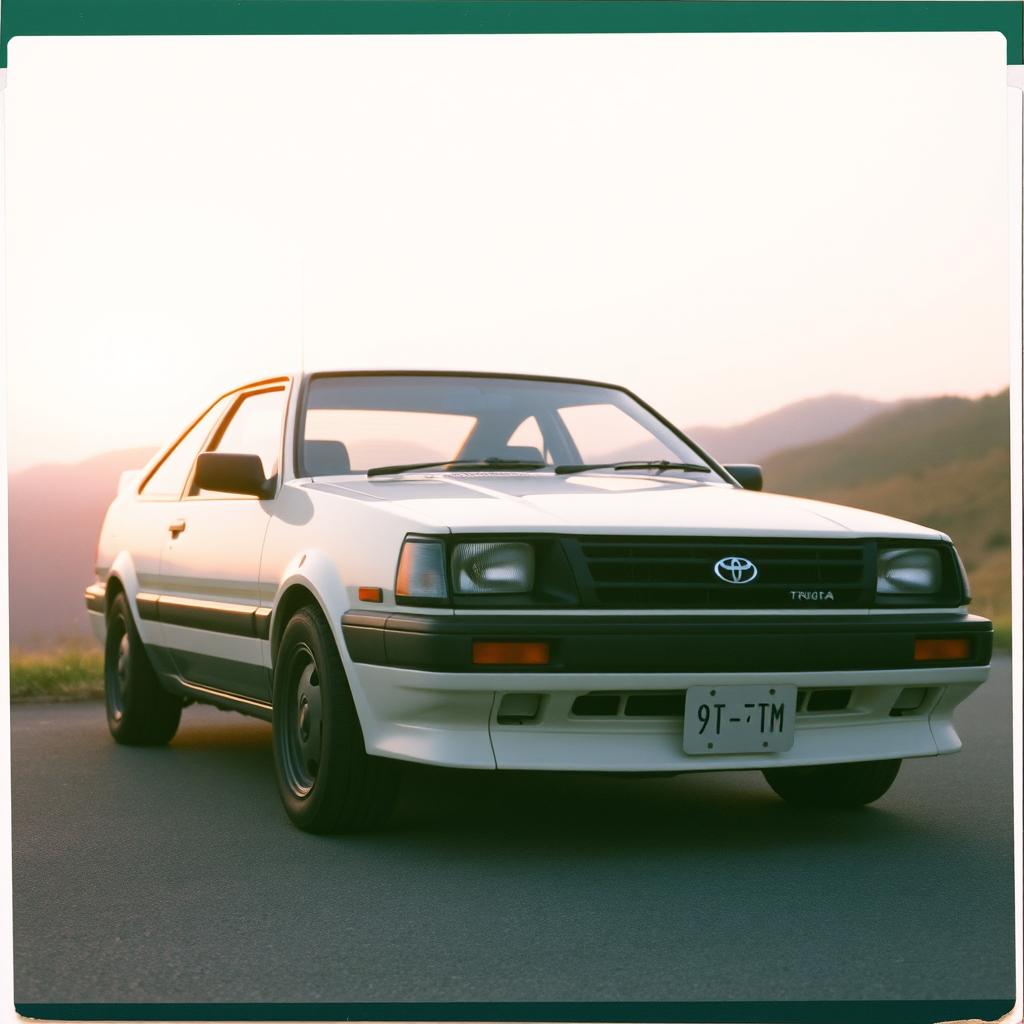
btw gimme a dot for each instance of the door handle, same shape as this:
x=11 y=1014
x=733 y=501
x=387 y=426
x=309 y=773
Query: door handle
x=176 y=527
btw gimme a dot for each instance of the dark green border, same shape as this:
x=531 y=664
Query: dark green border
x=859 y=1012
x=391 y=17
x=439 y=17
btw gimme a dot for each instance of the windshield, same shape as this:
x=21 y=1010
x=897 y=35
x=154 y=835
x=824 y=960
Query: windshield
x=356 y=423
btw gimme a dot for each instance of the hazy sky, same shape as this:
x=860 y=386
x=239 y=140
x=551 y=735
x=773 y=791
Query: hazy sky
x=723 y=223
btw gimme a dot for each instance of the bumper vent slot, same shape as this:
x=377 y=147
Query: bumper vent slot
x=655 y=705
x=519 y=708
x=679 y=572
x=663 y=704
x=826 y=700
x=597 y=705
x=912 y=700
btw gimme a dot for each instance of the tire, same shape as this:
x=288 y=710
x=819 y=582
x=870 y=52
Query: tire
x=327 y=781
x=833 y=785
x=140 y=712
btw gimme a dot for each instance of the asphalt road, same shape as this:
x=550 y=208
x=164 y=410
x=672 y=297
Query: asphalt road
x=173 y=874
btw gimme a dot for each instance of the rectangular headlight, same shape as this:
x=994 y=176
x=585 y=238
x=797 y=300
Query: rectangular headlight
x=421 y=570
x=499 y=567
x=909 y=571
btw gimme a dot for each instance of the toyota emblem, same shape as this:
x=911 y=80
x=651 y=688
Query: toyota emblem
x=735 y=569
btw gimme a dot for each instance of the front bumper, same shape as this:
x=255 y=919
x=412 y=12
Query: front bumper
x=420 y=697
x=96 y=608
x=639 y=644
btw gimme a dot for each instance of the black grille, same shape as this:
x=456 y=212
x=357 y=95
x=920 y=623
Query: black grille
x=679 y=572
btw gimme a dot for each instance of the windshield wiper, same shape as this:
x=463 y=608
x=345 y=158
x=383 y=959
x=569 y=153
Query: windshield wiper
x=659 y=464
x=481 y=464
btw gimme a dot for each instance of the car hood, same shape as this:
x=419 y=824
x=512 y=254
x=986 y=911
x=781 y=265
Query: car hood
x=607 y=503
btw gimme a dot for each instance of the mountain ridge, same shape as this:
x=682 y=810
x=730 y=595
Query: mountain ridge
x=806 y=421
x=942 y=462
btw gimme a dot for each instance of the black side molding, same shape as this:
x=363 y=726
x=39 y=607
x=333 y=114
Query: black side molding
x=213 y=616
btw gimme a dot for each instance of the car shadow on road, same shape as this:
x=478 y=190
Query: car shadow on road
x=546 y=813
x=234 y=733
x=461 y=812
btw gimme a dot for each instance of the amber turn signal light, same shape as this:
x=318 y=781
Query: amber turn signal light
x=941 y=649
x=371 y=594
x=511 y=653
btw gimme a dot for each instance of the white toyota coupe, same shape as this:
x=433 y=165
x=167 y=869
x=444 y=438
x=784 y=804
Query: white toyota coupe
x=496 y=571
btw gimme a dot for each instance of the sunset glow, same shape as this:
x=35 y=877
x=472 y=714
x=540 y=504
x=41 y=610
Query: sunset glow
x=682 y=215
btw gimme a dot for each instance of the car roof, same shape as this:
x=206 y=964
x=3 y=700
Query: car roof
x=463 y=373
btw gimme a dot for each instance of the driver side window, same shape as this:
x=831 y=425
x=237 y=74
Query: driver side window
x=168 y=479
x=252 y=428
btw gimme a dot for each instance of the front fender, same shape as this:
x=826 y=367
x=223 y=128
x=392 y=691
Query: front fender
x=318 y=573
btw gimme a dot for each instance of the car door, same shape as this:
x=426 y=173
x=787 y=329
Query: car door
x=210 y=610
x=156 y=507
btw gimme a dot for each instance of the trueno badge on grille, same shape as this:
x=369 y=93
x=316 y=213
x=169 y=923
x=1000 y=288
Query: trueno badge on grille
x=735 y=569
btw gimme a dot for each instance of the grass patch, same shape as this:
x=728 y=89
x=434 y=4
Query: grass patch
x=66 y=674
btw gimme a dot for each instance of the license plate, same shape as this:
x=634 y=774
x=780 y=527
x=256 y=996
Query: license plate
x=739 y=719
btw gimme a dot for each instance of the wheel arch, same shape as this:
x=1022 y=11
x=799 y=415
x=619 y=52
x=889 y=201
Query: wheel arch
x=296 y=594
x=311 y=577
x=122 y=579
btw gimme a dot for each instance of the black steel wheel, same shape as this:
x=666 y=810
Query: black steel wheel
x=140 y=712
x=327 y=781
x=833 y=785
x=303 y=717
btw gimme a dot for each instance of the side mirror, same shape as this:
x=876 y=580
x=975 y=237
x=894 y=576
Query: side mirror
x=748 y=476
x=232 y=474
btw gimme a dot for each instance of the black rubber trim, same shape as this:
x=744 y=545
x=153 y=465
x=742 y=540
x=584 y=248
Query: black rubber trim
x=96 y=597
x=231 y=701
x=664 y=643
x=212 y=616
x=261 y=622
x=148 y=606
x=207 y=615
x=218 y=677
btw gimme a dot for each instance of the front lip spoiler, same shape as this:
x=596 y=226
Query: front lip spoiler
x=638 y=644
